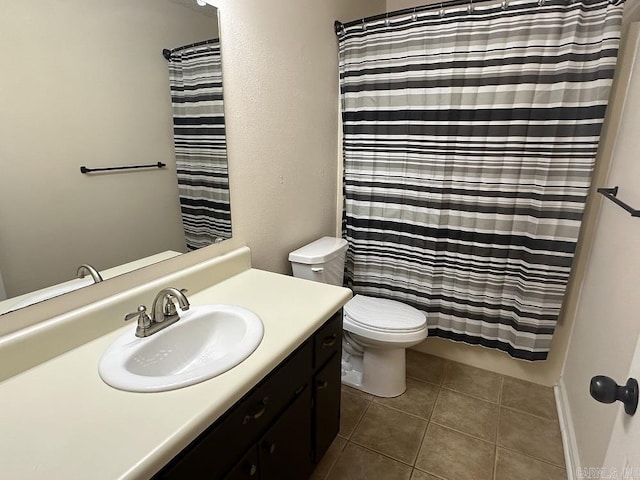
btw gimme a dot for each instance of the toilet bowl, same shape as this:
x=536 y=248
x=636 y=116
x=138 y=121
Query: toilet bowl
x=382 y=330
x=376 y=331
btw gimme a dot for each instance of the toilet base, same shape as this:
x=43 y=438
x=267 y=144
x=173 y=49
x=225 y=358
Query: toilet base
x=353 y=379
x=379 y=371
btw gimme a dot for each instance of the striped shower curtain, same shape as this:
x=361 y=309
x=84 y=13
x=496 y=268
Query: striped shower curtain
x=195 y=75
x=470 y=136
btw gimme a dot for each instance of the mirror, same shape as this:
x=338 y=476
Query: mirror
x=86 y=84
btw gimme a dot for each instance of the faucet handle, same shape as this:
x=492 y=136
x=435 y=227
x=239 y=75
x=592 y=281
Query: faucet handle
x=144 y=321
x=170 y=304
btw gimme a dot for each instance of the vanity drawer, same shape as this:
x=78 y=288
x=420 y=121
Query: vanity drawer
x=216 y=450
x=327 y=340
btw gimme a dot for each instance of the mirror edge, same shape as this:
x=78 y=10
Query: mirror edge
x=56 y=308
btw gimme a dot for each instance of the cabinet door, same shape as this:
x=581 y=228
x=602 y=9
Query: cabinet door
x=285 y=450
x=247 y=467
x=218 y=449
x=326 y=384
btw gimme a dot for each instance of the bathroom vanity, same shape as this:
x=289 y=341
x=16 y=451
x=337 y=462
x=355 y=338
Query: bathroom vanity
x=282 y=427
x=271 y=416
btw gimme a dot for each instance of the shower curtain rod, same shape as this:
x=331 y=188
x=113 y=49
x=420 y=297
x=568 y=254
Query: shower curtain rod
x=166 y=53
x=338 y=25
x=432 y=6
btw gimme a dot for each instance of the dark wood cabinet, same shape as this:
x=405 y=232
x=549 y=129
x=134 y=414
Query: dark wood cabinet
x=247 y=467
x=281 y=428
x=327 y=340
x=327 y=406
x=285 y=450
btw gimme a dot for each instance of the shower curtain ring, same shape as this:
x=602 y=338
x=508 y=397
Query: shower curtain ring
x=470 y=7
x=414 y=17
x=386 y=20
x=364 y=25
x=540 y=3
x=505 y=4
x=441 y=10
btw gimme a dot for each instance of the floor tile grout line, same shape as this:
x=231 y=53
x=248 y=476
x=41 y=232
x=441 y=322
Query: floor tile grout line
x=448 y=362
x=473 y=367
x=354 y=392
x=475 y=397
x=446 y=368
x=360 y=417
x=326 y=476
x=497 y=431
x=404 y=413
x=528 y=455
x=462 y=433
x=355 y=427
x=435 y=402
x=396 y=409
x=502 y=404
x=495 y=445
x=426 y=361
x=372 y=450
x=517 y=410
x=429 y=473
x=414 y=467
x=422 y=380
x=333 y=464
x=554 y=420
x=451 y=363
x=494 y=472
x=469 y=397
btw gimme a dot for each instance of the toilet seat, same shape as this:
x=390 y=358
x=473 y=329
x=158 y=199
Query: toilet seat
x=379 y=315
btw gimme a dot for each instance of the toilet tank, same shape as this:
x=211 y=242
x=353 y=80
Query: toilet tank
x=320 y=261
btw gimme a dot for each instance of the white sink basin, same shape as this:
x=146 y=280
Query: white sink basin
x=207 y=340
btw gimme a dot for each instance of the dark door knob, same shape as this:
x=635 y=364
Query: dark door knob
x=606 y=390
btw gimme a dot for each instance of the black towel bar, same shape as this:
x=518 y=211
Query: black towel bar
x=611 y=194
x=84 y=169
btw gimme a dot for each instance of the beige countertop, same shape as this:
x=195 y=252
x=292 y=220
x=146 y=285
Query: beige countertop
x=59 y=420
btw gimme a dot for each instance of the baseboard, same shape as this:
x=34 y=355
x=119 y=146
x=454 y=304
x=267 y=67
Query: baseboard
x=571 y=456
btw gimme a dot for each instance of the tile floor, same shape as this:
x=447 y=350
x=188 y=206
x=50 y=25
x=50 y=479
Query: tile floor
x=454 y=422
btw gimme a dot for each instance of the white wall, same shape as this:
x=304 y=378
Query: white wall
x=393 y=5
x=280 y=79
x=606 y=324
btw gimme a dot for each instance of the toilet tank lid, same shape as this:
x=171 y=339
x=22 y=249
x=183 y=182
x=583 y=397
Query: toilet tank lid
x=320 y=251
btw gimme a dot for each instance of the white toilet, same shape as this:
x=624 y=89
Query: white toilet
x=376 y=331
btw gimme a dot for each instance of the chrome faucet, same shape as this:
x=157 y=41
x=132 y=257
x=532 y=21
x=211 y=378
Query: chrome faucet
x=163 y=312
x=86 y=268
